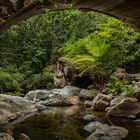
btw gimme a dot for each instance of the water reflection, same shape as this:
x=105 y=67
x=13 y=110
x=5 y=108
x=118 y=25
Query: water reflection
x=65 y=123
x=56 y=124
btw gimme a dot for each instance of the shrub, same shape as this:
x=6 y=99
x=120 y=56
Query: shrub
x=15 y=94
x=116 y=86
x=41 y=81
x=10 y=82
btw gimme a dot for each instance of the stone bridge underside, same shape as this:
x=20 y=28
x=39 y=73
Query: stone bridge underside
x=125 y=10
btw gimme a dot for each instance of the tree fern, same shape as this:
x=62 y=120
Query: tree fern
x=85 y=54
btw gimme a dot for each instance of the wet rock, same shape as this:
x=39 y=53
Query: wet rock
x=18 y=101
x=85 y=93
x=5 y=136
x=21 y=118
x=93 y=126
x=89 y=118
x=101 y=101
x=12 y=106
x=73 y=100
x=99 y=136
x=126 y=108
x=55 y=100
x=105 y=132
x=67 y=91
x=111 y=133
x=71 y=111
x=37 y=95
x=88 y=103
x=23 y=137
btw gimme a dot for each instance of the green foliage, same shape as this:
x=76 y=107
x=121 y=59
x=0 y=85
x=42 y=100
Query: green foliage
x=10 y=82
x=89 y=42
x=116 y=86
x=15 y=94
x=85 y=54
x=124 y=42
x=41 y=1
x=41 y=81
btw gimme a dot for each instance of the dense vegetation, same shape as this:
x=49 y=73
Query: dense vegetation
x=90 y=43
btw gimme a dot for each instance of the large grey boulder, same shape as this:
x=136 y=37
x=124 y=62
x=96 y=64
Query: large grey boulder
x=110 y=133
x=67 y=91
x=37 y=95
x=55 y=100
x=15 y=100
x=12 y=106
x=101 y=101
x=84 y=93
x=105 y=132
x=126 y=108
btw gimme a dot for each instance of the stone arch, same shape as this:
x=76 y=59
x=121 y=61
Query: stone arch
x=125 y=10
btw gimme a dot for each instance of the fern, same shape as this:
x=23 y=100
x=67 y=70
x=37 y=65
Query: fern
x=85 y=54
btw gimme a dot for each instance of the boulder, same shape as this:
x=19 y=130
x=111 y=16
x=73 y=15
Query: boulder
x=101 y=101
x=84 y=93
x=88 y=103
x=67 y=91
x=73 y=100
x=5 y=136
x=93 y=126
x=15 y=100
x=126 y=108
x=55 y=100
x=12 y=106
x=37 y=95
x=89 y=118
x=105 y=132
x=110 y=133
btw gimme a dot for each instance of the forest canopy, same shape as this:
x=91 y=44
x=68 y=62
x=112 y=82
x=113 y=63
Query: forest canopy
x=94 y=44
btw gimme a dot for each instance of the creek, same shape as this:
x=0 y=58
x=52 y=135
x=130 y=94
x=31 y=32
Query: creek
x=66 y=123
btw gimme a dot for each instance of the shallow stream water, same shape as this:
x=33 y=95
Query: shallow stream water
x=65 y=123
